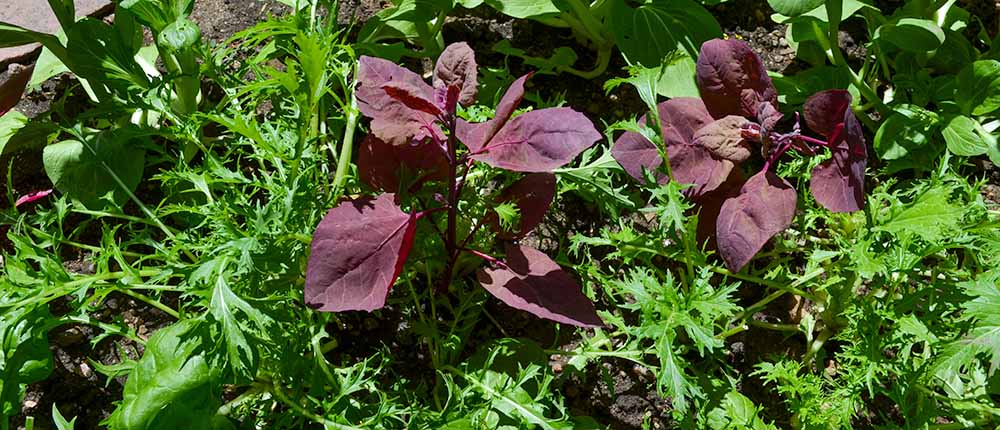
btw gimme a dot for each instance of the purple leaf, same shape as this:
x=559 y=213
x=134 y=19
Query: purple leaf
x=764 y=207
x=839 y=183
x=408 y=96
x=380 y=164
x=724 y=138
x=680 y=118
x=709 y=204
x=825 y=110
x=732 y=79
x=533 y=195
x=393 y=121
x=457 y=67
x=539 y=141
x=532 y=282
x=475 y=136
x=358 y=250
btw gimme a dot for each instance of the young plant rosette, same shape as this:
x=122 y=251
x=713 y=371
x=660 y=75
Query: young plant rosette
x=360 y=247
x=706 y=141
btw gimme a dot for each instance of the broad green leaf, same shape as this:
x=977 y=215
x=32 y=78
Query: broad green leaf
x=677 y=78
x=105 y=163
x=906 y=139
x=931 y=216
x=794 y=7
x=101 y=54
x=979 y=88
x=524 y=8
x=912 y=34
x=157 y=14
x=24 y=353
x=173 y=386
x=848 y=9
x=966 y=136
x=656 y=28
x=10 y=123
x=12 y=35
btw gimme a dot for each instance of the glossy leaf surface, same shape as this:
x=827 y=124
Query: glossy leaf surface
x=358 y=250
x=532 y=282
x=764 y=207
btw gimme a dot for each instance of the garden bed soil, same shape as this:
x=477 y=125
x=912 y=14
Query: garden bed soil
x=632 y=399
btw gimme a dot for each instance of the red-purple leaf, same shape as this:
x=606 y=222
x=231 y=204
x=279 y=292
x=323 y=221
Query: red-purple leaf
x=732 y=79
x=393 y=121
x=457 y=67
x=407 y=95
x=839 y=183
x=533 y=195
x=358 y=250
x=825 y=110
x=381 y=164
x=765 y=207
x=709 y=204
x=475 y=136
x=724 y=138
x=680 y=118
x=532 y=282
x=539 y=141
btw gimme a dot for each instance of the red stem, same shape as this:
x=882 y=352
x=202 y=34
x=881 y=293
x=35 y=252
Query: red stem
x=489 y=258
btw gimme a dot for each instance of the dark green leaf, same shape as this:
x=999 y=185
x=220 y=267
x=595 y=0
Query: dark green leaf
x=655 y=29
x=979 y=87
x=86 y=171
x=794 y=7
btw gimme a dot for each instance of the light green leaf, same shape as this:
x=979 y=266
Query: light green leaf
x=24 y=353
x=60 y=421
x=173 y=385
x=906 y=138
x=86 y=171
x=979 y=88
x=649 y=33
x=10 y=123
x=966 y=136
x=912 y=34
x=678 y=77
x=931 y=216
x=794 y=7
x=524 y=8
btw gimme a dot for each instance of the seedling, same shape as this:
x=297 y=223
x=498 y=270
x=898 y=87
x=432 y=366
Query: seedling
x=361 y=246
x=707 y=139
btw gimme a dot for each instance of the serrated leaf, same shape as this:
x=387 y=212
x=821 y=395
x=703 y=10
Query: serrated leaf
x=765 y=207
x=931 y=216
x=358 y=250
x=532 y=282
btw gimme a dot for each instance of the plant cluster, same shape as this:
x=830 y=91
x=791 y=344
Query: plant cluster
x=290 y=229
x=707 y=140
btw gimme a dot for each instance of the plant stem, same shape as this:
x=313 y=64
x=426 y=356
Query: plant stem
x=149 y=301
x=346 y=147
x=279 y=392
x=790 y=288
x=451 y=231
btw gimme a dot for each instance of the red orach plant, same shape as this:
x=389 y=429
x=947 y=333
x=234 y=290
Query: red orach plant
x=708 y=139
x=360 y=247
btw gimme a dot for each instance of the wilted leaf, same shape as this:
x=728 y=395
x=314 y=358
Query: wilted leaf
x=457 y=67
x=532 y=282
x=475 y=136
x=724 y=138
x=732 y=79
x=358 y=250
x=765 y=207
x=381 y=164
x=539 y=141
x=392 y=120
x=533 y=195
